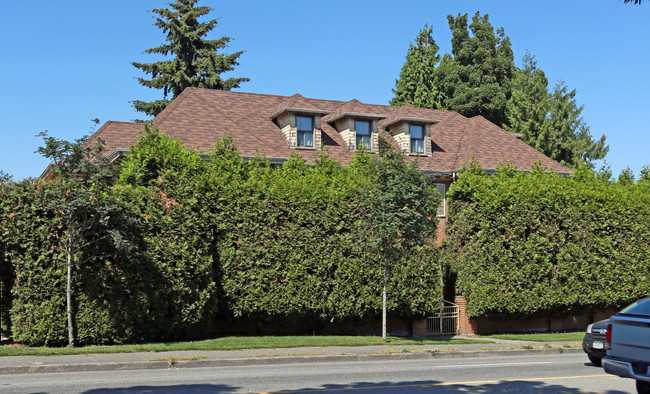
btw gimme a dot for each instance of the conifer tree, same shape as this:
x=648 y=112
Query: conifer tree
x=196 y=62
x=477 y=81
x=479 y=77
x=528 y=107
x=416 y=84
x=570 y=142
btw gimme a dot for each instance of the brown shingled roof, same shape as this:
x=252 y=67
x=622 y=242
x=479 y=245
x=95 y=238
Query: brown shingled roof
x=409 y=112
x=117 y=135
x=353 y=107
x=201 y=117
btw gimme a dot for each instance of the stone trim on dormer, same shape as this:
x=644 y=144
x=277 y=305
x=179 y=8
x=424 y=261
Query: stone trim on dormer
x=399 y=128
x=285 y=115
x=344 y=119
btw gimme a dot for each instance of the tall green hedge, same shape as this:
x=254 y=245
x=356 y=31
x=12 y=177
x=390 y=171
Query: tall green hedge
x=542 y=242
x=210 y=237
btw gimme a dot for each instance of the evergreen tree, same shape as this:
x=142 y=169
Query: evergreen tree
x=645 y=174
x=477 y=81
x=416 y=84
x=626 y=177
x=570 y=142
x=196 y=62
x=550 y=121
x=527 y=109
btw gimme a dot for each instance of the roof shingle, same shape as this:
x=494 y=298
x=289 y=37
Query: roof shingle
x=201 y=117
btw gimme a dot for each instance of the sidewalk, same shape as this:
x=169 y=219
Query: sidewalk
x=197 y=359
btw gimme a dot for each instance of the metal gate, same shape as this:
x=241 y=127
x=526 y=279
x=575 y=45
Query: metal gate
x=444 y=322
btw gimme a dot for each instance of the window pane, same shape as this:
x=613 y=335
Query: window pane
x=304 y=123
x=308 y=139
x=362 y=127
x=416 y=131
x=362 y=139
x=417 y=146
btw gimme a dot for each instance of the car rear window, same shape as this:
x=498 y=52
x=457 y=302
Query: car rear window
x=639 y=308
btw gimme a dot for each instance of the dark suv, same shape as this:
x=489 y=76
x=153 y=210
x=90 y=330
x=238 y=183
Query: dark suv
x=594 y=343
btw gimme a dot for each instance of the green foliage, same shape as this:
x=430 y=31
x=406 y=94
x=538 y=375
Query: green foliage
x=182 y=239
x=416 y=83
x=528 y=107
x=571 y=142
x=645 y=174
x=295 y=249
x=540 y=242
x=479 y=77
x=479 y=80
x=196 y=62
x=68 y=220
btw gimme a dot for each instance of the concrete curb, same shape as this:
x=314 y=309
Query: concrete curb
x=278 y=360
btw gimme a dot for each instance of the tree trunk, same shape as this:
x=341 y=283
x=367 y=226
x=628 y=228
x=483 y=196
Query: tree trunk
x=383 y=309
x=69 y=296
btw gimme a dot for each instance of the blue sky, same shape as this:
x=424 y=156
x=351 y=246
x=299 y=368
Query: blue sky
x=66 y=62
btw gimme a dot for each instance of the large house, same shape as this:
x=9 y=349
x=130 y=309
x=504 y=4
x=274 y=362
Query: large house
x=276 y=126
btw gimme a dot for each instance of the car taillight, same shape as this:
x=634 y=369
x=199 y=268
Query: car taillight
x=608 y=337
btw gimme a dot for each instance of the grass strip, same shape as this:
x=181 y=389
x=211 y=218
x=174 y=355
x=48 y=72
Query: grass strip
x=542 y=337
x=235 y=343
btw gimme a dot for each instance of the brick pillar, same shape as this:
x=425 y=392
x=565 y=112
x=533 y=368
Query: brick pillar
x=465 y=326
x=420 y=328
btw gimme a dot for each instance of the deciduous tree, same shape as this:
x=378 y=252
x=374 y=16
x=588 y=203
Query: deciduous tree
x=399 y=212
x=76 y=191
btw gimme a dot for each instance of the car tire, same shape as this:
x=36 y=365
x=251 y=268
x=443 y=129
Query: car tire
x=642 y=387
x=597 y=361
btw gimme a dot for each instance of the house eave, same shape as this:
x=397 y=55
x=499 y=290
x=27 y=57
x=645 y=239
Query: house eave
x=357 y=115
x=300 y=111
x=410 y=119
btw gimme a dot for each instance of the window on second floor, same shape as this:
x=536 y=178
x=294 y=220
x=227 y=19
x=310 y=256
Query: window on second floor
x=417 y=138
x=305 y=126
x=362 y=129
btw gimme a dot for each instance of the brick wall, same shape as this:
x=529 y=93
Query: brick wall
x=368 y=326
x=541 y=322
x=419 y=328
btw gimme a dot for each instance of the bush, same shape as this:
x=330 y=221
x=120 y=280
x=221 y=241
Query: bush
x=541 y=242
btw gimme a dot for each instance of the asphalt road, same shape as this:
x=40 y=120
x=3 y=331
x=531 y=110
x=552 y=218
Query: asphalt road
x=563 y=373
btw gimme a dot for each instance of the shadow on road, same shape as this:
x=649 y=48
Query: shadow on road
x=373 y=387
x=181 y=388
x=438 y=387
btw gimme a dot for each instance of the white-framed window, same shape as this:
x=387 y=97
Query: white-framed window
x=305 y=126
x=417 y=138
x=363 y=130
x=442 y=207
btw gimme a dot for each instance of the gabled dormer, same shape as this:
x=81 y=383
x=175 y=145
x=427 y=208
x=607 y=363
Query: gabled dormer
x=357 y=124
x=300 y=120
x=411 y=128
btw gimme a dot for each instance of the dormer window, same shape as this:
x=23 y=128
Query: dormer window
x=363 y=130
x=305 y=126
x=417 y=138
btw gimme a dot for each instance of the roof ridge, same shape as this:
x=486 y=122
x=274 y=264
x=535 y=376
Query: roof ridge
x=465 y=131
x=237 y=124
x=172 y=106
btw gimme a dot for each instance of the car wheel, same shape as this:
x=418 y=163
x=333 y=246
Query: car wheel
x=597 y=361
x=642 y=387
